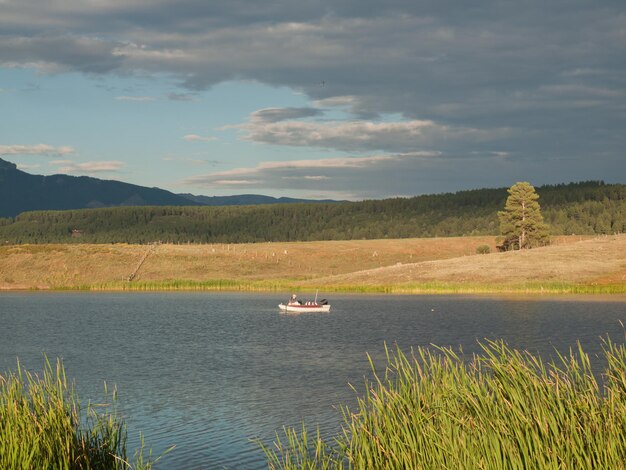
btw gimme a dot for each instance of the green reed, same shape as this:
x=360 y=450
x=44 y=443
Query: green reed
x=215 y=285
x=283 y=285
x=42 y=425
x=502 y=409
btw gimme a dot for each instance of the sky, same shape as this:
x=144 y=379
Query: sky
x=341 y=99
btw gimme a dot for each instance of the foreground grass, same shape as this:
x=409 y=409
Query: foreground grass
x=42 y=426
x=504 y=409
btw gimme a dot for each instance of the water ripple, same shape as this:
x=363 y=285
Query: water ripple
x=210 y=372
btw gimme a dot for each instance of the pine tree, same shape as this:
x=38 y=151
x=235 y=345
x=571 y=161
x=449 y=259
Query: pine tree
x=521 y=222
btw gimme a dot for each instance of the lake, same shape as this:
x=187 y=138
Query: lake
x=210 y=371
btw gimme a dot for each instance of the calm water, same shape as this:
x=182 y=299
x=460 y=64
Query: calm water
x=208 y=372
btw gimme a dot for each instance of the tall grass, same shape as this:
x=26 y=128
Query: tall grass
x=215 y=285
x=502 y=409
x=234 y=285
x=42 y=426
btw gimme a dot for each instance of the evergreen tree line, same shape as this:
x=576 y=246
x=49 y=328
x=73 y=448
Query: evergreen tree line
x=590 y=207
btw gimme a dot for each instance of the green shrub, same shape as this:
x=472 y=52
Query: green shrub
x=483 y=250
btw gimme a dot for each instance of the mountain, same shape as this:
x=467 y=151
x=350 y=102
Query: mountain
x=246 y=200
x=21 y=191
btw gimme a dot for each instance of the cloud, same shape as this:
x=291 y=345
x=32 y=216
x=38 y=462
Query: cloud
x=383 y=175
x=135 y=98
x=336 y=101
x=339 y=162
x=226 y=182
x=281 y=114
x=472 y=69
x=94 y=167
x=182 y=96
x=27 y=166
x=38 y=149
x=191 y=161
x=198 y=138
x=53 y=53
x=305 y=175
x=313 y=177
x=582 y=90
x=400 y=136
x=393 y=52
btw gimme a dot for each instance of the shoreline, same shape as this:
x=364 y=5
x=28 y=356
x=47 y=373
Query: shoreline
x=228 y=285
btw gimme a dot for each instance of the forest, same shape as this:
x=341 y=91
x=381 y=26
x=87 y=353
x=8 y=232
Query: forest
x=583 y=208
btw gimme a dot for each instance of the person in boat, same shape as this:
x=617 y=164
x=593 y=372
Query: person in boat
x=294 y=300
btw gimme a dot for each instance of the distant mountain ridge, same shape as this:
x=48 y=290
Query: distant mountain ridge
x=22 y=192
x=246 y=200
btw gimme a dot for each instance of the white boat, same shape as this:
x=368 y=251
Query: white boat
x=301 y=306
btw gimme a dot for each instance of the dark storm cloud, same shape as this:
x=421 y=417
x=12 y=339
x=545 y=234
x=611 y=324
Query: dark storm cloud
x=53 y=53
x=551 y=73
x=420 y=58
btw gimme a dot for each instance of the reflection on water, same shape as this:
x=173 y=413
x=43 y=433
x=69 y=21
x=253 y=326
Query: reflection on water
x=208 y=372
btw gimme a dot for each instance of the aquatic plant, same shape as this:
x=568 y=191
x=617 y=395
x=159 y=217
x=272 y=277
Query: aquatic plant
x=42 y=425
x=286 y=285
x=501 y=409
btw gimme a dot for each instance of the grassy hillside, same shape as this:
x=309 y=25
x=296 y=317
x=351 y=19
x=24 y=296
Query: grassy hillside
x=582 y=208
x=597 y=262
x=45 y=266
x=571 y=264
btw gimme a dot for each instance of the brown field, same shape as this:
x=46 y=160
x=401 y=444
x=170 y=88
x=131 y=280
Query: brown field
x=399 y=262
x=597 y=261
